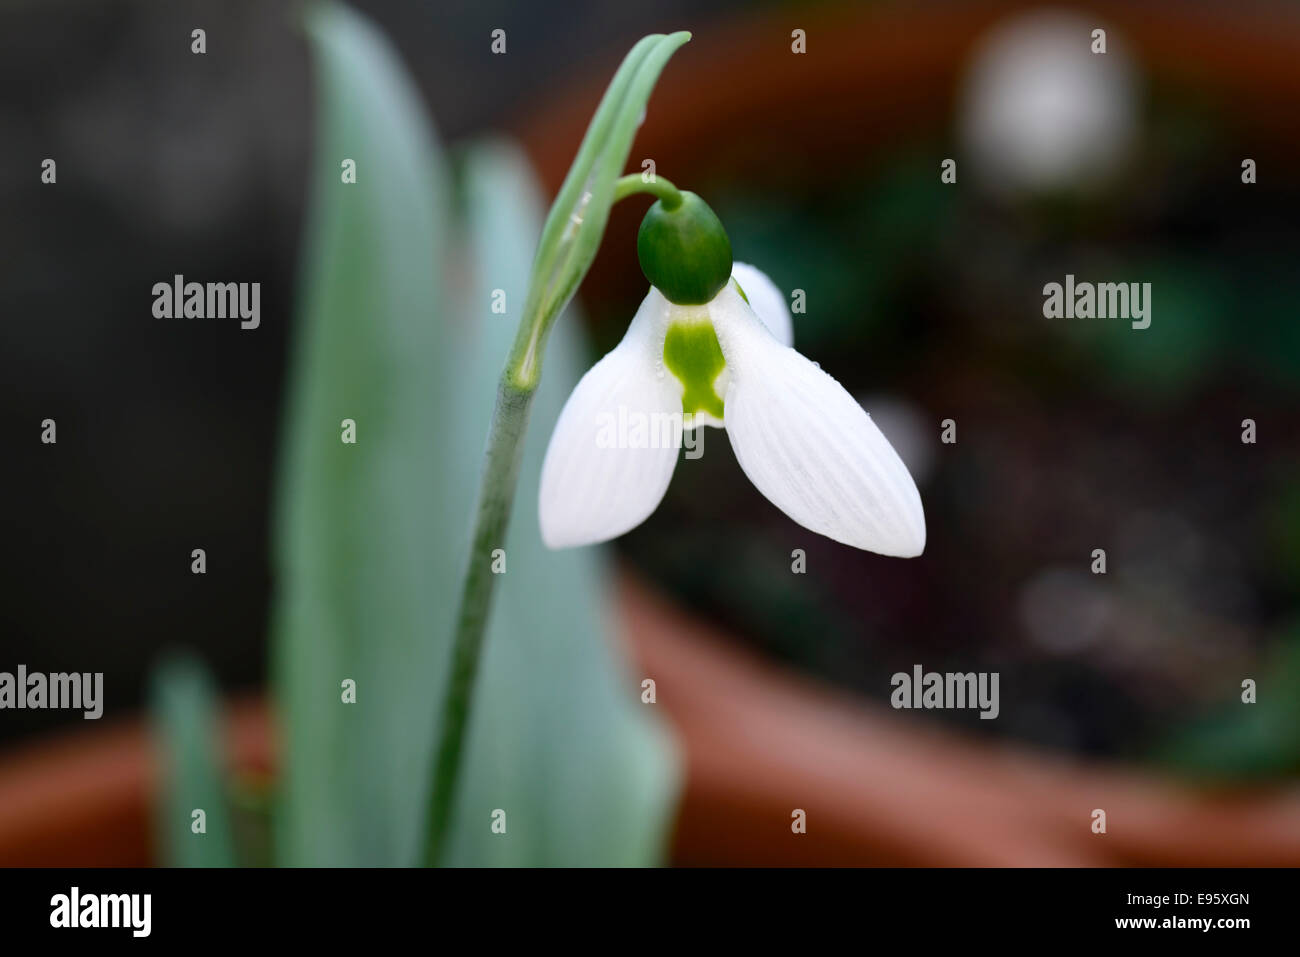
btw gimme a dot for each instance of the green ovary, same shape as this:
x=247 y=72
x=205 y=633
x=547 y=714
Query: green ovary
x=692 y=354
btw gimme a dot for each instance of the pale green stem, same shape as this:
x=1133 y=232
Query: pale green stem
x=496 y=495
x=657 y=186
x=564 y=254
x=492 y=517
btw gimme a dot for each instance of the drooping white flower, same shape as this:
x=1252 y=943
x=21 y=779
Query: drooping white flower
x=799 y=436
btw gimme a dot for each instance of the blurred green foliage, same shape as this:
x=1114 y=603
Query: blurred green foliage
x=185 y=722
x=360 y=548
x=1239 y=740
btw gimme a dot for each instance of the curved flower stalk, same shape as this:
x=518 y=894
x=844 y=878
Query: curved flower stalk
x=799 y=436
x=570 y=237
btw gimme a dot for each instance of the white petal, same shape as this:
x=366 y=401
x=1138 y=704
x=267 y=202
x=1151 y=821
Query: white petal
x=767 y=301
x=808 y=446
x=615 y=445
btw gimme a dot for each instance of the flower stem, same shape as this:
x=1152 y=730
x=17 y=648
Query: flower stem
x=496 y=494
x=492 y=517
x=572 y=231
x=657 y=186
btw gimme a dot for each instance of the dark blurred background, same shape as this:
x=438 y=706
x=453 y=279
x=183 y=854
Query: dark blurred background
x=924 y=299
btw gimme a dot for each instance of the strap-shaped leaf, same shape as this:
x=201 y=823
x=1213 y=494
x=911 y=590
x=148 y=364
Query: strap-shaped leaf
x=358 y=542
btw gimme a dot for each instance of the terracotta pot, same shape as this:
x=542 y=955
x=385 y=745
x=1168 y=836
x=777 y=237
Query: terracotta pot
x=758 y=742
x=87 y=798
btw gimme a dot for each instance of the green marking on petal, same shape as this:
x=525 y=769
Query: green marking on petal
x=740 y=289
x=692 y=354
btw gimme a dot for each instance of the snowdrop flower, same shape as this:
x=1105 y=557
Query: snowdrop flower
x=711 y=346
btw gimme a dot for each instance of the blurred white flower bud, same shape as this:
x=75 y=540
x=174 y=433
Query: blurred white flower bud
x=1041 y=111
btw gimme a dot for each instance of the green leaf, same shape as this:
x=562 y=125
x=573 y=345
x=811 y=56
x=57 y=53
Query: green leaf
x=185 y=724
x=359 y=542
x=558 y=739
